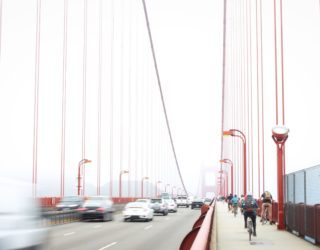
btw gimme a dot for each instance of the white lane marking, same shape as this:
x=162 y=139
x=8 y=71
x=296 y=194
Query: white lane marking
x=97 y=226
x=167 y=218
x=67 y=234
x=148 y=227
x=110 y=245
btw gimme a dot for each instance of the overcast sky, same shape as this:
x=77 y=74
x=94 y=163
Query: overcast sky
x=188 y=43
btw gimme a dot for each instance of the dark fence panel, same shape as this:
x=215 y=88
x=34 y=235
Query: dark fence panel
x=310 y=221
x=317 y=215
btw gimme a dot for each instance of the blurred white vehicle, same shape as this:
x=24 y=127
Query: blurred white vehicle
x=172 y=205
x=137 y=211
x=97 y=208
x=20 y=218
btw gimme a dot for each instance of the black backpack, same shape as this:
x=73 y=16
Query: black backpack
x=249 y=204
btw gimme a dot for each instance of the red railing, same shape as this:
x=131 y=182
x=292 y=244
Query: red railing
x=199 y=237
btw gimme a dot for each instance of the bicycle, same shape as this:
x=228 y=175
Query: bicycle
x=235 y=210
x=265 y=216
x=250 y=227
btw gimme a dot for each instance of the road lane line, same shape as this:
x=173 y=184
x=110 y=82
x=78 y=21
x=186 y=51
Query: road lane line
x=107 y=246
x=148 y=227
x=97 y=226
x=67 y=234
x=167 y=218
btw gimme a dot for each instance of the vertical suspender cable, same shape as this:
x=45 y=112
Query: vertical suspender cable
x=262 y=96
x=130 y=100
x=84 y=91
x=36 y=102
x=111 y=99
x=282 y=68
x=0 y=27
x=99 y=99
x=258 y=96
x=224 y=48
x=276 y=57
x=64 y=97
x=161 y=94
x=121 y=85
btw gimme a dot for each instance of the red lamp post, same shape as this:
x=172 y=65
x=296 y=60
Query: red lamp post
x=280 y=135
x=82 y=162
x=143 y=178
x=231 y=166
x=165 y=189
x=233 y=132
x=120 y=179
x=156 y=192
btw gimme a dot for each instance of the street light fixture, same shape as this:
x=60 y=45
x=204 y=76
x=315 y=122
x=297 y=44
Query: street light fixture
x=231 y=166
x=82 y=162
x=165 y=189
x=143 y=178
x=158 y=182
x=233 y=132
x=120 y=179
x=280 y=135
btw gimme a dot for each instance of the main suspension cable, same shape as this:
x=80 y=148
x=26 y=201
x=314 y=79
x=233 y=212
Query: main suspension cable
x=161 y=93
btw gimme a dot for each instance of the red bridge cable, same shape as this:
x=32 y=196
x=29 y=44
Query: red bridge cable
x=262 y=96
x=99 y=99
x=112 y=39
x=282 y=63
x=64 y=97
x=84 y=79
x=276 y=57
x=161 y=94
x=36 y=102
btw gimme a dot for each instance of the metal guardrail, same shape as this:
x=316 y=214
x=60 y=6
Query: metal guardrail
x=200 y=235
x=304 y=221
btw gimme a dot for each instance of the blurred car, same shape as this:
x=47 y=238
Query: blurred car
x=207 y=201
x=69 y=203
x=148 y=201
x=182 y=201
x=172 y=205
x=137 y=211
x=97 y=207
x=197 y=203
x=159 y=206
x=20 y=218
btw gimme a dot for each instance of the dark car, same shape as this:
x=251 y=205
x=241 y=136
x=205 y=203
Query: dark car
x=69 y=203
x=197 y=203
x=97 y=208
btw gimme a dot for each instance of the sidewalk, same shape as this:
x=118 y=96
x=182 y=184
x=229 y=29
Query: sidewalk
x=231 y=234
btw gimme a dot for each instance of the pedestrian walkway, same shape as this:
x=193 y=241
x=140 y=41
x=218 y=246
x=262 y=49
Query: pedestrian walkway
x=231 y=234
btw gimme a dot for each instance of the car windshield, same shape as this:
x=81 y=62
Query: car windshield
x=93 y=203
x=70 y=199
x=142 y=200
x=136 y=205
x=156 y=201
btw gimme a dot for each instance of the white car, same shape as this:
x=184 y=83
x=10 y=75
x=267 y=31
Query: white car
x=172 y=205
x=20 y=218
x=137 y=211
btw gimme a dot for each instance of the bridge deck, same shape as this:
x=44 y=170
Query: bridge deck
x=232 y=235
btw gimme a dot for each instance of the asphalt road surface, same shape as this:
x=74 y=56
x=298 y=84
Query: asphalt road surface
x=164 y=232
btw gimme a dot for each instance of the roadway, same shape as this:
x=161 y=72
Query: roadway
x=164 y=232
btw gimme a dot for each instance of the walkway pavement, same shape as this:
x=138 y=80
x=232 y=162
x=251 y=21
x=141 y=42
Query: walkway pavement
x=231 y=234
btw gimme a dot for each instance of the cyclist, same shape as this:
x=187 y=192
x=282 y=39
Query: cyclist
x=249 y=207
x=235 y=202
x=229 y=198
x=241 y=202
x=266 y=198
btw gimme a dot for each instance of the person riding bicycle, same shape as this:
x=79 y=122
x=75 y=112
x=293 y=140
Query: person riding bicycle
x=266 y=198
x=249 y=207
x=229 y=198
x=241 y=202
x=235 y=202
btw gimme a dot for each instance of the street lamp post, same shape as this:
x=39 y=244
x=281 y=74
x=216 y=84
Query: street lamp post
x=156 y=193
x=82 y=162
x=172 y=190
x=280 y=135
x=165 y=189
x=231 y=166
x=232 y=132
x=143 y=178
x=120 y=179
